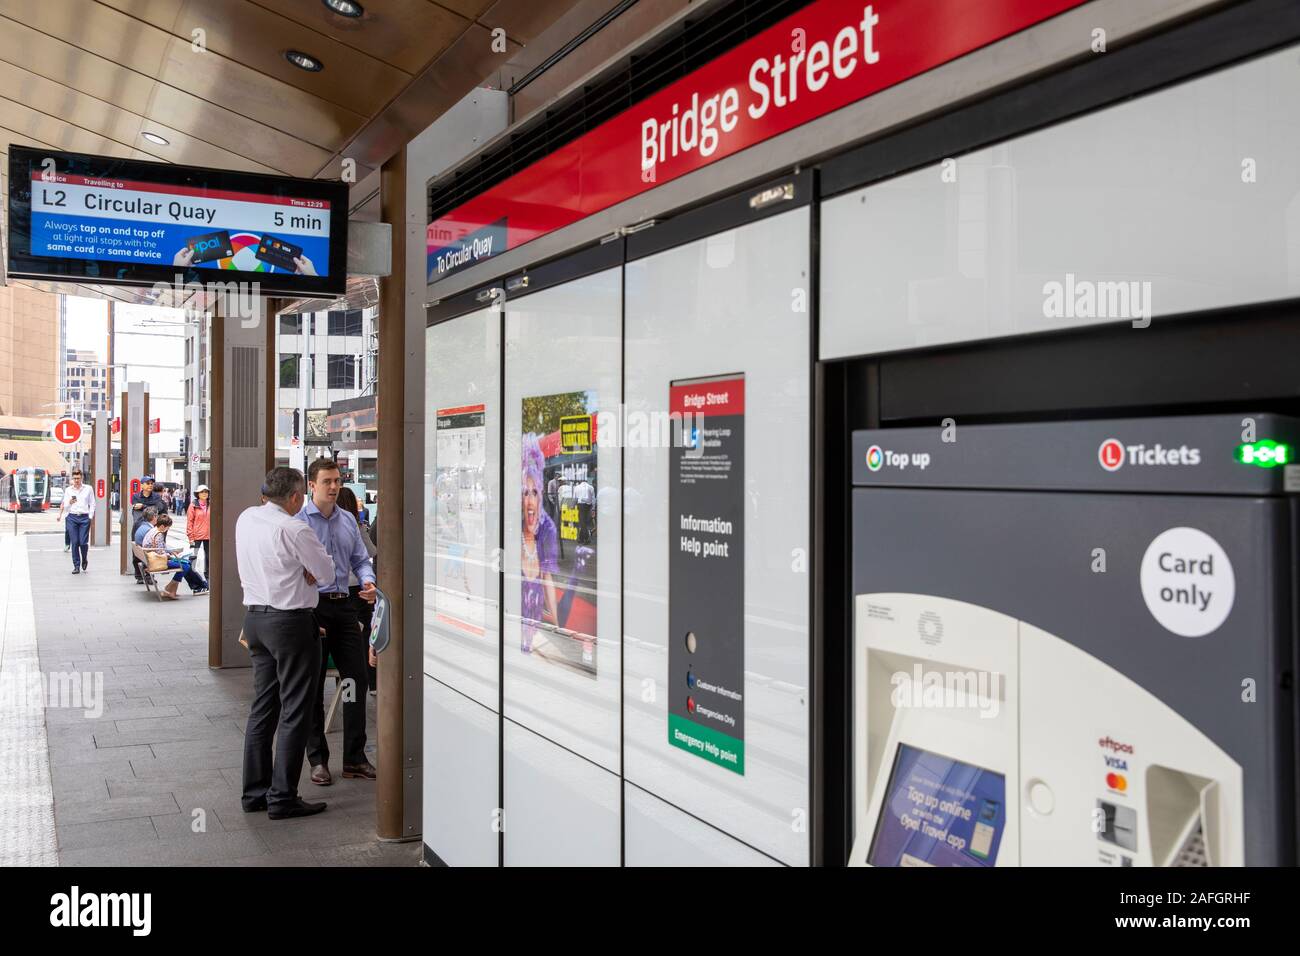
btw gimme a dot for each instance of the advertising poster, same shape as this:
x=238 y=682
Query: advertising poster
x=706 y=571
x=939 y=812
x=460 y=501
x=316 y=432
x=143 y=223
x=559 y=530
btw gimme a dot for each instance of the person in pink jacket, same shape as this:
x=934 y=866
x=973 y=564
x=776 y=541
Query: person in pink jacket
x=198 y=527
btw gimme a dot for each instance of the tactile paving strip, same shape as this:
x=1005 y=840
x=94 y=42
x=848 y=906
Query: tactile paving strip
x=27 y=835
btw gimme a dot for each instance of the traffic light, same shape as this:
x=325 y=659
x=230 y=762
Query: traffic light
x=184 y=446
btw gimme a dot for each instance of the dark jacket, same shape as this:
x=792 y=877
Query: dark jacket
x=153 y=500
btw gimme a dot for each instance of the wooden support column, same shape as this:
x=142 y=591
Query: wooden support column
x=216 y=488
x=240 y=434
x=394 y=681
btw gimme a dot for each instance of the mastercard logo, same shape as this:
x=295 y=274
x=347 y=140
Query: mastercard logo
x=875 y=458
x=1116 y=781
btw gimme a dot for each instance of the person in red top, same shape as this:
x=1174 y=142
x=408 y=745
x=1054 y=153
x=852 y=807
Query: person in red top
x=198 y=527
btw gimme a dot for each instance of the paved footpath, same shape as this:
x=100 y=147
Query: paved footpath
x=154 y=779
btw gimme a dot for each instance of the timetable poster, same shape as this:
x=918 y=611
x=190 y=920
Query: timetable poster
x=460 y=568
x=158 y=224
x=559 y=530
x=706 y=571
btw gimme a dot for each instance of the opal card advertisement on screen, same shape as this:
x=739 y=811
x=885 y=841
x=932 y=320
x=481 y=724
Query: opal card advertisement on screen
x=100 y=219
x=939 y=811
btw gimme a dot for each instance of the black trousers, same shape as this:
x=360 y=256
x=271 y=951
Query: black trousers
x=365 y=614
x=343 y=640
x=286 y=659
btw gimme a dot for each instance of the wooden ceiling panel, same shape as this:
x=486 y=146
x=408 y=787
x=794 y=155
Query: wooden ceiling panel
x=69 y=105
x=95 y=28
x=252 y=36
x=93 y=76
x=58 y=60
x=239 y=134
x=406 y=34
x=24 y=51
x=258 y=97
x=471 y=9
x=194 y=151
x=56 y=133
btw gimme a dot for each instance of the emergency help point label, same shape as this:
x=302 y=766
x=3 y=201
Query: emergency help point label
x=1187 y=582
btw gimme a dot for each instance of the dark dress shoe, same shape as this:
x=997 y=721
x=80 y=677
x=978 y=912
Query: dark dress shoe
x=359 y=771
x=299 y=809
x=320 y=775
x=255 y=806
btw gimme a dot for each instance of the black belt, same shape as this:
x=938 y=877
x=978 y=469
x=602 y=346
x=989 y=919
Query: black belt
x=334 y=595
x=267 y=609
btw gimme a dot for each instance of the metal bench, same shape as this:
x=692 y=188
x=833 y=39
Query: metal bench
x=150 y=577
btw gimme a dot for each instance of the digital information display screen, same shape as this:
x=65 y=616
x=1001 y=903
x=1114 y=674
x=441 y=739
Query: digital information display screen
x=99 y=219
x=939 y=812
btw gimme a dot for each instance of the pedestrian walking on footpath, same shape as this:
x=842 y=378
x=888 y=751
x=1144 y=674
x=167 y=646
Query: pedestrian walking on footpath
x=79 y=509
x=280 y=562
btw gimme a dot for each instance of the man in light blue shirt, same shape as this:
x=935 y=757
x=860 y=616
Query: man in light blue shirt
x=148 y=517
x=336 y=616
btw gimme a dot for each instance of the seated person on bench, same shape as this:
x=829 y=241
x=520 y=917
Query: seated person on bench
x=156 y=541
x=147 y=519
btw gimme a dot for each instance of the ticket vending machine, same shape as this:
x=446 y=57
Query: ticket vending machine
x=1074 y=643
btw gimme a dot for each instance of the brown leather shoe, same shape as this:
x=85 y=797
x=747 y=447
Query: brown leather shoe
x=359 y=771
x=320 y=775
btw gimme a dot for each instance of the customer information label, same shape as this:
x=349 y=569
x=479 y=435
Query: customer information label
x=706 y=571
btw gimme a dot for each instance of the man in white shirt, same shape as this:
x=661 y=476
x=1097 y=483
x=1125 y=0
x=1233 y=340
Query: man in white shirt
x=280 y=561
x=585 y=495
x=79 y=508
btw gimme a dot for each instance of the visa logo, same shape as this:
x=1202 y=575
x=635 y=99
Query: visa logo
x=1116 y=763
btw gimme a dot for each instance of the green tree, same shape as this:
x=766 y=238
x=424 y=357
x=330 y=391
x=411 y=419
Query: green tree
x=542 y=414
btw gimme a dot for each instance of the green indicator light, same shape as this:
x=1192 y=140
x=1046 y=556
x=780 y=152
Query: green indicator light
x=1264 y=453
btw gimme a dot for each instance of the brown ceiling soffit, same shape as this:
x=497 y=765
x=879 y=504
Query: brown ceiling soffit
x=464 y=65
x=619 y=39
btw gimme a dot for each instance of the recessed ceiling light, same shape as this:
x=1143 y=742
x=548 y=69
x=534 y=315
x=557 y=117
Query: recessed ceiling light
x=303 y=61
x=155 y=138
x=345 y=8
